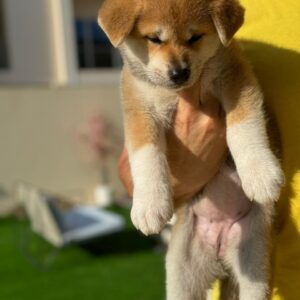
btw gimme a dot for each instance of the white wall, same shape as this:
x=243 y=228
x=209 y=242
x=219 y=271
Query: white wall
x=37 y=136
x=40 y=42
x=28 y=42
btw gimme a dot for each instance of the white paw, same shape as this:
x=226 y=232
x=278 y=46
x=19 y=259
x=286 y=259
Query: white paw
x=262 y=177
x=151 y=209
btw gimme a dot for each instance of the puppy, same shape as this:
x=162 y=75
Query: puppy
x=168 y=47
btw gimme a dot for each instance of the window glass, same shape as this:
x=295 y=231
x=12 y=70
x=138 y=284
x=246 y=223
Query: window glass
x=93 y=48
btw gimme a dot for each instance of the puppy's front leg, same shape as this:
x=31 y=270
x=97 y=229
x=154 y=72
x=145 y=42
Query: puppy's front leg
x=257 y=166
x=145 y=139
x=152 y=204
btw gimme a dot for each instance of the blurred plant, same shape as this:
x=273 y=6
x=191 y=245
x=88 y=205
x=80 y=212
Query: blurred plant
x=103 y=141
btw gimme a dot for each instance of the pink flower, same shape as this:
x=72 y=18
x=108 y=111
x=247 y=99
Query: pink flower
x=100 y=136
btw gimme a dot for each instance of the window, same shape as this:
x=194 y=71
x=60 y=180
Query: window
x=94 y=50
x=3 y=49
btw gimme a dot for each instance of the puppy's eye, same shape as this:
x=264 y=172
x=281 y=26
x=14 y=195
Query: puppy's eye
x=195 y=38
x=154 y=39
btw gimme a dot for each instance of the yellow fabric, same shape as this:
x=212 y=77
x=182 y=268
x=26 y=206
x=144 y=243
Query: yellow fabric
x=272 y=34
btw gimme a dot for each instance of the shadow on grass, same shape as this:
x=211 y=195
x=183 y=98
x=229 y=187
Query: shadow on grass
x=125 y=242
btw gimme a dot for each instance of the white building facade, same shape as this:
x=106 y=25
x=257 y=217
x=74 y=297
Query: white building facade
x=56 y=71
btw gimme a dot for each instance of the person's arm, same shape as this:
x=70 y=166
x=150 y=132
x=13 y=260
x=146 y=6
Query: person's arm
x=125 y=173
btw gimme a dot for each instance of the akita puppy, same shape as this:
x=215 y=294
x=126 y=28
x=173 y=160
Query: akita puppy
x=175 y=49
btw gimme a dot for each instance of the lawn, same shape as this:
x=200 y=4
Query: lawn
x=123 y=266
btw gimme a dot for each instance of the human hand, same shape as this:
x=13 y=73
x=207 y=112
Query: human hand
x=196 y=146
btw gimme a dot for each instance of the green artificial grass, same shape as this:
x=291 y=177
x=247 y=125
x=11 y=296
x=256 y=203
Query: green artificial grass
x=123 y=266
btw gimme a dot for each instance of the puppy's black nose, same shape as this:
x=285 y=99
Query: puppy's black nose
x=179 y=76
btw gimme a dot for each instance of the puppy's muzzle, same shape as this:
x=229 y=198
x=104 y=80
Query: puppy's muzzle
x=179 y=75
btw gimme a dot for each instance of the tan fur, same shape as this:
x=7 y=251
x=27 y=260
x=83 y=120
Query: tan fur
x=228 y=16
x=243 y=97
x=117 y=18
x=136 y=118
x=159 y=37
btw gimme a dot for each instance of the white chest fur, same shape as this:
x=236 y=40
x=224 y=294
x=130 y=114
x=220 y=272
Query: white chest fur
x=159 y=101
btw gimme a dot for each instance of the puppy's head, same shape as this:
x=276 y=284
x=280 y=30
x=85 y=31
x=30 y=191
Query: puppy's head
x=167 y=42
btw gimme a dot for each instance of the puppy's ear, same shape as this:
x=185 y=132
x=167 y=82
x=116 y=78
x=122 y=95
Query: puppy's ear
x=117 y=18
x=228 y=17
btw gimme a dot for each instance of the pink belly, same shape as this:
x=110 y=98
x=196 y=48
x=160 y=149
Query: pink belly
x=221 y=215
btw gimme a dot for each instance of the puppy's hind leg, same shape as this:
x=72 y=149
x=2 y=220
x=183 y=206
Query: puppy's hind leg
x=250 y=260
x=188 y=269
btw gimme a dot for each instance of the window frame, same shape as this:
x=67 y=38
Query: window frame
x=80 y=76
